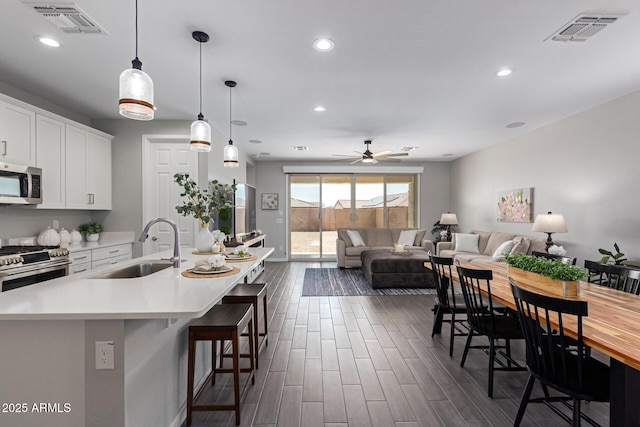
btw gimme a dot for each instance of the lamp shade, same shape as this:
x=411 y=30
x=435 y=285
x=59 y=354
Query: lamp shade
x=449 y=219
x=136 y=95
x=200 y=135
x=550 y=223
x=230 y=156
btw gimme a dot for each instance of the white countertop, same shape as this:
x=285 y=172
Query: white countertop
x=162 y=295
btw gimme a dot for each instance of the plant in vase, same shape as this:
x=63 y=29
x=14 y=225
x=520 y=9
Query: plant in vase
x=92 y=231
x=203 y=204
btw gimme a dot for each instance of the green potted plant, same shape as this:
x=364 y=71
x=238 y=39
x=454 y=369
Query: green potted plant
x=609 y=257
x=224 y=216
x=203 y=204
x=92 y=231
x=547 y=274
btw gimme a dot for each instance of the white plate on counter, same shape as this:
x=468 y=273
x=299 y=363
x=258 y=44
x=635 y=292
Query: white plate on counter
x=236 y=256
x=224 y=269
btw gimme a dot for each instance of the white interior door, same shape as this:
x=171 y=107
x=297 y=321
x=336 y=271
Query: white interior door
x=166 y=157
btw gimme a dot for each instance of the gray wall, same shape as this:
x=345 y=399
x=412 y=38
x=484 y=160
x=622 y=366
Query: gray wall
x=584 y=166
x=434 y=198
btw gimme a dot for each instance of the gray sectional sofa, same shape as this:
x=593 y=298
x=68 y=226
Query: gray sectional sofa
x=348 y=255
x=488 y=243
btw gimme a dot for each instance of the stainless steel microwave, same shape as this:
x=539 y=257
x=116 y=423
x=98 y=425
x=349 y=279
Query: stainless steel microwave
x=20 y=185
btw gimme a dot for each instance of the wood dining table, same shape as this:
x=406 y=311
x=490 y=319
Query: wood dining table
x=612 y=327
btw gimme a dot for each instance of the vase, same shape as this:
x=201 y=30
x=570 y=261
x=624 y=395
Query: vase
x=204 y=240
x=93 y=237
x=527 y=280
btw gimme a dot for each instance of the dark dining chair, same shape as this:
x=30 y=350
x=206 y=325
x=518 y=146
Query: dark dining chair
x=554 y=257
x=554 y=359
x=447 y=303
x=614 y=276
x=486 y=320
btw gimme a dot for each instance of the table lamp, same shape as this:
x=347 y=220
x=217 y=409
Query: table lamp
x=549 y=223
x=448 y=219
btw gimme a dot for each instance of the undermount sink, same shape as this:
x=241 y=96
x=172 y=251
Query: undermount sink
x=137 y=270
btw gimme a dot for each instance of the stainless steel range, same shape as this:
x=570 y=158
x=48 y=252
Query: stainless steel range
x=25 y=265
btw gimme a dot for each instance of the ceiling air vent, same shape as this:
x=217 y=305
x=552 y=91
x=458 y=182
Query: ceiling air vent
x=583 y=27
x=300 y=148
x=69 y=18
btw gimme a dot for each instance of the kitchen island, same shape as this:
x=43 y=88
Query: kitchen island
x=49 y=330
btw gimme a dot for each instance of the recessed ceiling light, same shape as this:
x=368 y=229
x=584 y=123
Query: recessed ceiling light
x=504 y=72
x=319 y=108
x=515 y=125
x=48 y=41
x=238 y=122
x=265 y=154
x=323 y=45
x=408 y=149
x=255 y=141
x=447 y=155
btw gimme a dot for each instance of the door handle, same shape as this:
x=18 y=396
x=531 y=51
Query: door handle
x=154 y=238
x=88 y=198
x=4 y=148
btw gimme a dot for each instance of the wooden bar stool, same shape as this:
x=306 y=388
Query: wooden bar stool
x=222 y=322
x=250 y=293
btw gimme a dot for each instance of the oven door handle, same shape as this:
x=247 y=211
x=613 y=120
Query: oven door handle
x=28 y=270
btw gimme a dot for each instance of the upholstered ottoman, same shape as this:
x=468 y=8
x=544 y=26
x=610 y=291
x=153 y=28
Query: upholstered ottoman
x=384 y=269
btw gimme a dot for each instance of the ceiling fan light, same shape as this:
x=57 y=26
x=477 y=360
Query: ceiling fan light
x=200 y=135
x=136 y=94
x=230 y=156
x=367 y=160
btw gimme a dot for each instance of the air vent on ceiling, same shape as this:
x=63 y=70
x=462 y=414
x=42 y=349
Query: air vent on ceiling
x=583 y=27
x=300 y=148
x=69 y=18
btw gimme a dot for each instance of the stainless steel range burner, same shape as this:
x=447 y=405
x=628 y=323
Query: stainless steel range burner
x=26 y=265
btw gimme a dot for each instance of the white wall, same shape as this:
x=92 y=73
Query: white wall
x=584 y=166
x=434 y=198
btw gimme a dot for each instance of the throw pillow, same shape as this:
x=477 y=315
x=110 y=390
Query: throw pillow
x=419 y=236
x=355 y=237
x=407 y=237
x=502 y=250
x=520 y=246
x=466 y=243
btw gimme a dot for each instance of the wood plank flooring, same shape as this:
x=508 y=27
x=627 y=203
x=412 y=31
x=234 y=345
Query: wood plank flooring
x=369 y=361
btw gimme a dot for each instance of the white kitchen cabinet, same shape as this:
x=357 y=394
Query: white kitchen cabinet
x=89 y=259
x=50 y=157
x=88 y=170
x=110 y=255
x=17 y=134
x=80 y=261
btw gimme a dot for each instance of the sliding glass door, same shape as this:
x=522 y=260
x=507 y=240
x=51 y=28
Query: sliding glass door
x=320 y=204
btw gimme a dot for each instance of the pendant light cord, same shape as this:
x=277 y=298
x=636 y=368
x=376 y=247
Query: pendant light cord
x=136 y=29
x=230 y=139
x=200 y=78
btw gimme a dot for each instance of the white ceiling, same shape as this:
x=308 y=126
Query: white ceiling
x=403 y=73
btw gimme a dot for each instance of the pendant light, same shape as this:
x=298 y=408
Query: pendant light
x=200 y=130
x=230 y=151
x=136 y=89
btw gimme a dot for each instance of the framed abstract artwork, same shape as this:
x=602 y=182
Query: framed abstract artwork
x=515 y=205
x=269 y=201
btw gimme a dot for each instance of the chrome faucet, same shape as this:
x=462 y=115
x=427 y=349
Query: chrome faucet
x=176 y=238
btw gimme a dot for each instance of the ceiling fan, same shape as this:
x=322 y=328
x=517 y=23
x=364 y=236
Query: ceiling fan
x=373 y=158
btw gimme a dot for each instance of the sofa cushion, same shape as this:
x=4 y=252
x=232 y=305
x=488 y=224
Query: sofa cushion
x=419 y=236
x=466 y=243
x=538 y=245
x=482 y=239
x=356 y=250
x=520 y=246
x=467 y=257
x=495 y=240
x=502 y=250
x=407 y=237
x=355 y=237
x=379 y=237
x=342 y=235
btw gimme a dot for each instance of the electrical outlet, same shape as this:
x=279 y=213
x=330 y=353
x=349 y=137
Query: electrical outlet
x=104 y=354
x=56 y=224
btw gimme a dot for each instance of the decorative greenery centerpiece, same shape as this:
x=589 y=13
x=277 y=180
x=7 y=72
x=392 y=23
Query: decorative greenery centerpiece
x=543 y=274
x=202 y=203
x=91 y=228
x=546 y=267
